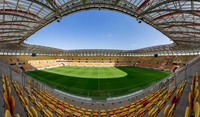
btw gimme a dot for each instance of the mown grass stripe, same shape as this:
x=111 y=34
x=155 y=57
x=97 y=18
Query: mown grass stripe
x=100 y=82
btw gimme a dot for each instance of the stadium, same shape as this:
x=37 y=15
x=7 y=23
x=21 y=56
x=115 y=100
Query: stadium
x=154 y=81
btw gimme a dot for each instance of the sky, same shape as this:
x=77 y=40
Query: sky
x=98 y=29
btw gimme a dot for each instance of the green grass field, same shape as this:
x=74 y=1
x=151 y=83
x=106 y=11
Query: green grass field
x=98 y=82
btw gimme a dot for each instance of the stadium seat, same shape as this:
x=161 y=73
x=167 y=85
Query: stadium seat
x=12 y=105
x=29 y=113
x=150 y=113
x=123 y=114
x=77 y=114
x=132 y=115
x=149 y=106
x=196 y=109
x=86 y=116
x=7 y=113
x=187 y=112
x=160 y=105
x=196 y=94
x=141 y=112
x=68 y=111
x=51 y=107
x=7 y=106
x=32 y=98
x=33 y=111
x=88 y=113
x=4 y=88
x=47 y=113
x=44 y=102
x=171 y=111
x=39 y=106
x=27 y=90
x=19 y=92
x=17 y=115
x=24 y=101
x=59 y=113
x=113 y=116
x=190 y=100
x=166 y=111
x=154 y=112
x=138 y=107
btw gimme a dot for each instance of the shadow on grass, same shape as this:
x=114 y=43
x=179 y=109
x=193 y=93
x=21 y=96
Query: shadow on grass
x=100 y=89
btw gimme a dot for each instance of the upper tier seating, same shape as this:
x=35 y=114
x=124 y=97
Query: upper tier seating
x=41 y=62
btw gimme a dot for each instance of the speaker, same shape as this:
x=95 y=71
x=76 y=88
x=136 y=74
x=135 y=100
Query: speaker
x=33 y=54
x=155 y=55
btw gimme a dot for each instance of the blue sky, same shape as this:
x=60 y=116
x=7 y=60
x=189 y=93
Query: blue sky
x=94 y=29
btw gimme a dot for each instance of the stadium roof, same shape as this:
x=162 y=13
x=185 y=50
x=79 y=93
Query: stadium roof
x=177 y=19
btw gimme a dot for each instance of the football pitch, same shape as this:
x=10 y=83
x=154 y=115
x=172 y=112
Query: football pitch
x=98 y=82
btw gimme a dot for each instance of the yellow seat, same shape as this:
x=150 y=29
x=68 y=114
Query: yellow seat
x=83 y=109
x=113 y=116
x=138 y=107
x=167 y=108
x=86 y=116
x=196 y=85
x=187 y=112
x=44 y=102
x=161 y=105
x=196 y=109
x=150 y=112
x=27 y=90
x=190 y=99
x=125 y=109
x=4 y=88
x=132 y=110
x=39 y=106
x=51 y=107
x=88 y=113
x=17 y=115
x=141 y=112
x=29 y=113
x=32 y=98
x=77 y=114
x=132 y=115
x=33 y=111
x=171 y=111
x=196 y=94
x=102 y=111
x=59 y=113
x=68 y=111
x=154 y=113
x=26 y=101
x=149 y=106
x=7 y=113
x=47 y=113
x=73 y=109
